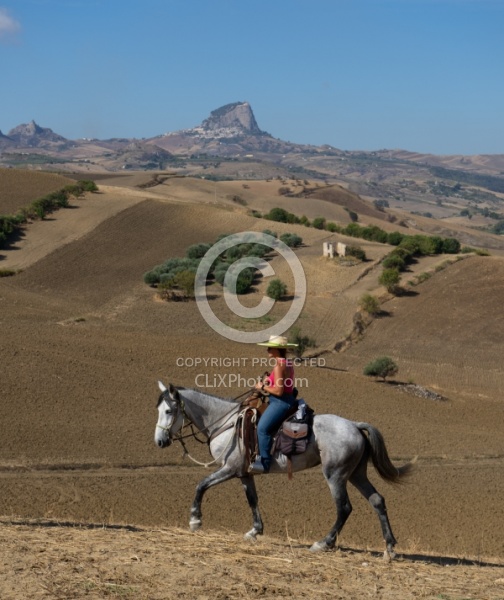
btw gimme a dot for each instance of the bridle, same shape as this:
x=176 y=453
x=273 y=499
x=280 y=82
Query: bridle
x=179 y=437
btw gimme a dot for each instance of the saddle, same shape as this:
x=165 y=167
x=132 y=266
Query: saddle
x=292 y=437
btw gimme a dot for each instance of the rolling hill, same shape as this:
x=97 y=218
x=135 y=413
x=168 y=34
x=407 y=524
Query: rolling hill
x=84 y=340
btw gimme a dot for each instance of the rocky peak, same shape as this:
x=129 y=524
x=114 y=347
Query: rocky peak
x=237 y=115
x=31 y=132
x=25 y=130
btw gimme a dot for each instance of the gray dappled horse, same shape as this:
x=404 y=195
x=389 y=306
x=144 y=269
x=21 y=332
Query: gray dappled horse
x=338 y=444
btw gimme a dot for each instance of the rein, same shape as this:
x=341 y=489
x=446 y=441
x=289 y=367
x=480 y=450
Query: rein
x=194 y=434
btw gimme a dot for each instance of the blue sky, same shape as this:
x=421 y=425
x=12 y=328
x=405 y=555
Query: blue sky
x=421 y=75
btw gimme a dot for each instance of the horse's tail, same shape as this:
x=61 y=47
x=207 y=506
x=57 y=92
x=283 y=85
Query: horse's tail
x=379 y=455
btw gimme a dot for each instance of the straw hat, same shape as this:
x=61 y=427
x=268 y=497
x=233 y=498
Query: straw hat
x=277 y=341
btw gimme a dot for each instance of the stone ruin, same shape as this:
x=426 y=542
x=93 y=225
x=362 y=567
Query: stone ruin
x=331 y=250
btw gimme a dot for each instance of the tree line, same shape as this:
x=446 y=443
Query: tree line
x=10 y=225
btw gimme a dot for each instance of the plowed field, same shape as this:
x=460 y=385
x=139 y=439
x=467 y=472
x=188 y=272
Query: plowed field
x=83 y=342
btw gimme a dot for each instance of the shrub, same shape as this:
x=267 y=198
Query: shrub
x=406 y=255
x=394 y=261
x=333 y=227
x=276 y=289
x=370 y=304
x=353 y=230
x=291 y=239
x=435 y=245
x=356 y=252
x=451 y=246
x=394 y=238
x=374 y=234
x=258 y=250
x=381 y=205
x=498 y=228
x=162 y=274
x=421 y=277
x=292 y=218
x=303 y=341
x=197 y=250
x=7 y=272
x=234 y=253
x=87 y=186
x=277 y=214
x=220 y=272
x=185 y=281
x=390 y=278
x=8 y=224
x=382 y=367
x=151 y=277
x=319 y=223
x=282 y=216
x=244 y=281
x=410 y=244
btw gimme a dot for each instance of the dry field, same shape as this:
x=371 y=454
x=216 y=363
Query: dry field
x=20 y=188
x=90 y=508
x=63 y=561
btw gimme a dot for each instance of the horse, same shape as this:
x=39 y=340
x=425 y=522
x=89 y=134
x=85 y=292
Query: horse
x=342 y=447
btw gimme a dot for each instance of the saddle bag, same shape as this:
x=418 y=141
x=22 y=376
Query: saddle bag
x=293 y=438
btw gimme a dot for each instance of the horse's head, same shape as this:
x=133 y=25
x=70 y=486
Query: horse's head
x=170 y=415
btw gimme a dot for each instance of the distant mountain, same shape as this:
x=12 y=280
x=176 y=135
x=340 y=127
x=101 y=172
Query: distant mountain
x=33 y=136
x=233 y=118
x=5 y=142
x=229 y=131
x=139 y=156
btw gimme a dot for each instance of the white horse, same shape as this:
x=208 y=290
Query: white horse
x=341 y=446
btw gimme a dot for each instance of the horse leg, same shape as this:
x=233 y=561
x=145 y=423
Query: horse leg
x=251 y=493
x=360 y=480
x=219 y=476
x=337 y=484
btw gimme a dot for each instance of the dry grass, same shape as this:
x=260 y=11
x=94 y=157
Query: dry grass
x=66 y=561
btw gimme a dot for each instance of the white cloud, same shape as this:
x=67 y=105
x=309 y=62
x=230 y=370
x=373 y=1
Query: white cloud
x=8 y=25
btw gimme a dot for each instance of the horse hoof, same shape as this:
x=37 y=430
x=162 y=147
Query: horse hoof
x=194 y=524
x=389 y=555
x=251 y=536
x=320 y=547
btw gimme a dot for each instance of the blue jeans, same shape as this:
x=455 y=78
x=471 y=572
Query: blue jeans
x=270 y=421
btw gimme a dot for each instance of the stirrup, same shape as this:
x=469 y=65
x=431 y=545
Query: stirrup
x=257 y=467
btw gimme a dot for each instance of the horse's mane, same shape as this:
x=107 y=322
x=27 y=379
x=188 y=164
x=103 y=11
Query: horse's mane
x=181 y=388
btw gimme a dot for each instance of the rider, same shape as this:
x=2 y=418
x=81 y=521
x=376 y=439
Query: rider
x=279 y=386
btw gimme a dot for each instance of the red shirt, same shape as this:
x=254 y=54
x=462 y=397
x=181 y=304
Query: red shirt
x=288 y=381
